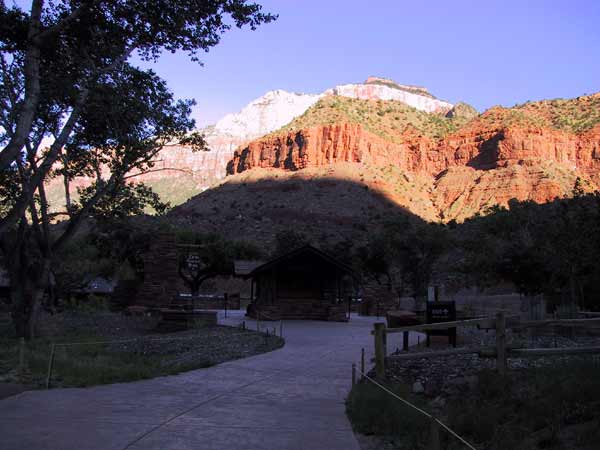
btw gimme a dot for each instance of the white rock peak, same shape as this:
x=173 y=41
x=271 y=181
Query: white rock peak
x=380 y=92
x=278 y=108
x=265 y=114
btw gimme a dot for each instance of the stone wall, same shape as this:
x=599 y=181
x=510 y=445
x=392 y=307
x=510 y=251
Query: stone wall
x=161 y=279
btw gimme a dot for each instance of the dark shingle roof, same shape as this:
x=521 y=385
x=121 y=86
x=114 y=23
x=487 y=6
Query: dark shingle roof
x=305 y=249
x=4 y=280
x=244 y=267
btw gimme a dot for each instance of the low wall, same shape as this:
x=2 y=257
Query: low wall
x=232 y=301
x=287 y=311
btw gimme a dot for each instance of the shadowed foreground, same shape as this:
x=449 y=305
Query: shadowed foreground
x=292 y=398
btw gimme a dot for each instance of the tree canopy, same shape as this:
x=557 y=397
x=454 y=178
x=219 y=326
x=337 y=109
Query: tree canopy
x=72 y=105
x=57 y=59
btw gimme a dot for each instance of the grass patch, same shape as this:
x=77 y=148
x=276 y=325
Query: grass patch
x=87 y=365
x=132 y=358
x=533 y=409
x=373 y=411
x=553 y=407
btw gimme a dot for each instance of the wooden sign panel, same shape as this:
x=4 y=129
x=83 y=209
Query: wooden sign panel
x=438 y=312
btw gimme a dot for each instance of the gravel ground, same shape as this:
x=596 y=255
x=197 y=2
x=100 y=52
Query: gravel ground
x=103 y=324
x=434 y=376
x=212 y=345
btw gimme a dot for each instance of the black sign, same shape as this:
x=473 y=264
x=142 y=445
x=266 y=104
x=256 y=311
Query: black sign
x=438 y=312
x=441 y=312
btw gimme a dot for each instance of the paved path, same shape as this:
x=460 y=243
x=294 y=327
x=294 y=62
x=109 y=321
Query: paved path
x=289 y=399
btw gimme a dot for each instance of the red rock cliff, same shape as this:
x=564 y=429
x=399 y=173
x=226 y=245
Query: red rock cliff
x=481 y=149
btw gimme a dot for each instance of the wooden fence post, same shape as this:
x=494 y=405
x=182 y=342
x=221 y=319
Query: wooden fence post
x=434 y=435
x=379 y=350
x=21 y=355
x=501 y=343
x=362 y=362
x=405 y=341
x=385 y=349
x=353 y=374
x=50 y=366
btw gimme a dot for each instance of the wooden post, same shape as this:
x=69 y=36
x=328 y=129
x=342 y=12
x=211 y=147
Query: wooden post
x=353 y=374
x=50 y=366
x=225 y=299
x=362 y=362
x=257 y=320
x=501 y=343
x=281 y=328
x=405 y=341
x=379 y=350
x=349 y=307
x=385 y=352
x=21 y=355
x=434 y=435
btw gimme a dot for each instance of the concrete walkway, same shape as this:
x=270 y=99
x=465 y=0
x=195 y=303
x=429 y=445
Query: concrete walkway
x=292 y=398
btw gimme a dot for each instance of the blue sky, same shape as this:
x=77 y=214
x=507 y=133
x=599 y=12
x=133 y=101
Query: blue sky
x=481 y=52
x=484 y=52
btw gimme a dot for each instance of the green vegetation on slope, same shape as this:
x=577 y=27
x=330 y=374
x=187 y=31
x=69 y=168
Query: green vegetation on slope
x=386 y=118
x=575 y=115
x=501 y=117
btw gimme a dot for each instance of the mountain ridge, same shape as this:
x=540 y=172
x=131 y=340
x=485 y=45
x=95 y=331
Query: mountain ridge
x=466 y=162
x=532 y=152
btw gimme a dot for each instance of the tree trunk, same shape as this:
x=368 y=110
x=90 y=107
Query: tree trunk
x=32 y=90
x=26 y=301
x=67 y=193
x=28 y=283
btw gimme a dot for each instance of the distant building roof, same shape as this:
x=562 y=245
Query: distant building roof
x=243 y=267
x=4 y=280
x=307 y=249
x=98 y=285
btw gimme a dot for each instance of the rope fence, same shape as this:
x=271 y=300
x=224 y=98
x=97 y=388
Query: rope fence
x=501 y=352
x=435 y=422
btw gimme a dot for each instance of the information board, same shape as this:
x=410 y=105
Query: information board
x=438 y=312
